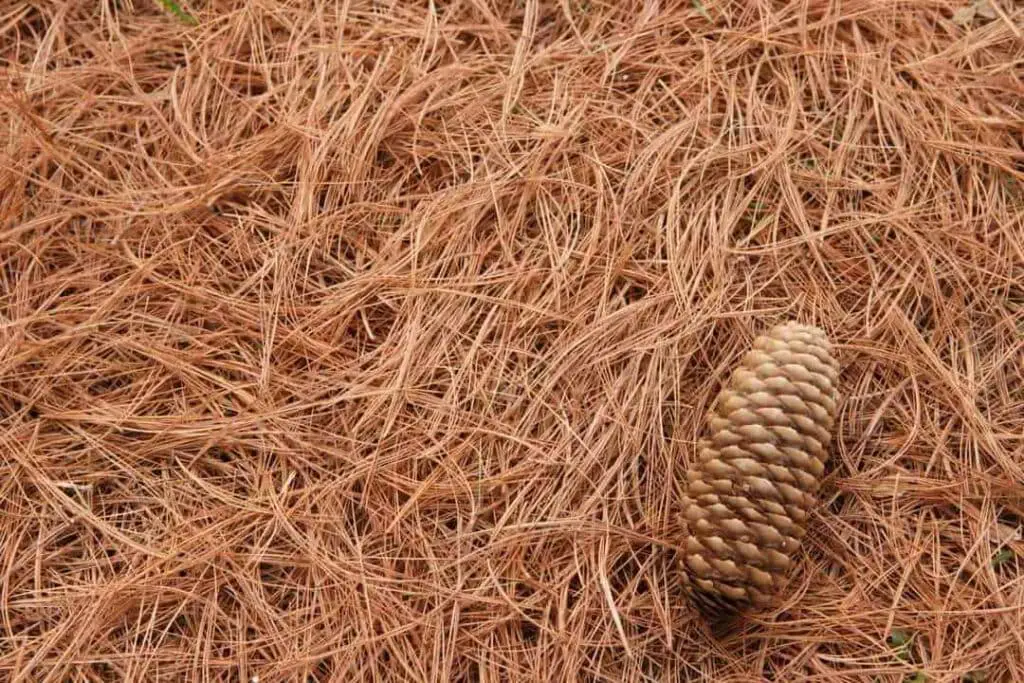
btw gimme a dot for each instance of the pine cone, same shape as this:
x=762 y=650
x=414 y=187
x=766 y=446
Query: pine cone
x=748 y=496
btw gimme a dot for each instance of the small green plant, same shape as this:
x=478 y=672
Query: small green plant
x=900 y=640
x=699 y=6
x=176 y=9
x=1002 y=556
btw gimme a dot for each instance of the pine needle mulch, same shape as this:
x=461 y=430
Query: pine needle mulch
x=370 y=340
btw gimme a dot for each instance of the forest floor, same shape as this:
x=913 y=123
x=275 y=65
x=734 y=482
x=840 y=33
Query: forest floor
x=371 y=340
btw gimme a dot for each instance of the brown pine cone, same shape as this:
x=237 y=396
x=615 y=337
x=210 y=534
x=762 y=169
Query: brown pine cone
x=748 y=496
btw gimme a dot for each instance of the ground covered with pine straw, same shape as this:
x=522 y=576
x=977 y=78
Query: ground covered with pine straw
x=350 y=340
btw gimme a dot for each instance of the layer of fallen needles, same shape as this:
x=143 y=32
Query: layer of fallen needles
x=369 y=340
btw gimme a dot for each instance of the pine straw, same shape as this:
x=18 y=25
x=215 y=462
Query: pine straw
x=350 y=340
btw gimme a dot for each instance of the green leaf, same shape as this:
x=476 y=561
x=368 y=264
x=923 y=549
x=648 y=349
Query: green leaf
x=175 y=9
x=900 y=638
x=1002 y=556
x=918 y=677
x=699 y=6
x=900 y=641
